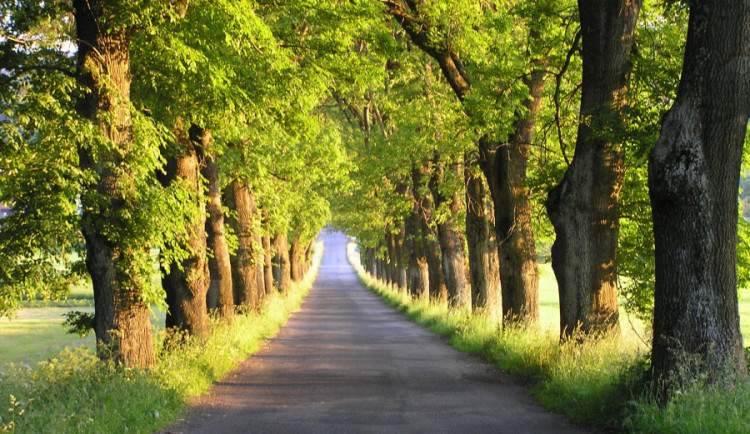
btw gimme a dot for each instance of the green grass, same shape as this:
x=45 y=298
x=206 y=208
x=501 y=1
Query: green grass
x=745 y=315
x=75 y=392
x=597 y=382
x=36 y=334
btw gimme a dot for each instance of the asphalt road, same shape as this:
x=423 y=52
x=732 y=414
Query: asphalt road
x=346 y=362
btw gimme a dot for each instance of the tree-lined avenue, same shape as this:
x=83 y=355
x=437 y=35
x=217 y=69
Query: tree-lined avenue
x=347 y=362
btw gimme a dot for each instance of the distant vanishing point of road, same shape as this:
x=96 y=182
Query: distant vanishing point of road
x=347 y=363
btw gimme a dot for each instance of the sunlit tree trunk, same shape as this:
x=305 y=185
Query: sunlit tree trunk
x=694 y=172
x=295 y=259
x=220 y=292
x=281 y=267
x=186 y=283
x=240 y=199
x=267 y=255
x=583 y=207
x=122 y=322
x=504 y=166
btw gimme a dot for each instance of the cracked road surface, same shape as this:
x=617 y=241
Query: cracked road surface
x=346 y=362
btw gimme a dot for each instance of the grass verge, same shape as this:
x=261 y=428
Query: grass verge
x=599 y=382
x=75 y=392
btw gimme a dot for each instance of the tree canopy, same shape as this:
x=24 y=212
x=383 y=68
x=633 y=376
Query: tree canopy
x=418 y=127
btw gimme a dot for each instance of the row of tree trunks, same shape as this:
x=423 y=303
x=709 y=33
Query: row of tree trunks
x=186 y=283
x=505 y=172
x=583 y=207
x=122 y=323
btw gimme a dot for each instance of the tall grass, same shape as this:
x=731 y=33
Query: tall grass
x=598 y=381
x=75 y=392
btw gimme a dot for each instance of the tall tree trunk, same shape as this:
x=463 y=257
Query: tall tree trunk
x=452 y=242
x=220 y=292
x=505 y=169
x=186 y=283
x=400 y=258
x=391 y=269
x=308 y=257
x=259 y=259
x=484 y=265
x=240 y=199
x=583 y=207
x=267 y=255
x=694 y=173
x=281 y=267
x=373 y=266
x=121 y=322
x=417 y=269
x=260 y=268
x=425 y=205
x=295 y=259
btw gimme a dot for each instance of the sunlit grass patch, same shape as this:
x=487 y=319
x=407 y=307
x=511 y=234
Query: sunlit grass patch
x=698 y=408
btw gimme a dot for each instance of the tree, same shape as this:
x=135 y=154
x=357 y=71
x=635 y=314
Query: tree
x=434 y=31
x=117 y=261
x=186 y=281
x=583 y=206
x=694 y=173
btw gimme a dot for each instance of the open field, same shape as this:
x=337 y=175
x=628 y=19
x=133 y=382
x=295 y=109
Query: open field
x=36 y=334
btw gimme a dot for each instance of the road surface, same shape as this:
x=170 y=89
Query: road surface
x=346 y=362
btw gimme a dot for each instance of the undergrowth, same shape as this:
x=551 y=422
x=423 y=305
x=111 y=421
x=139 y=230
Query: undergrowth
x=597 y=381
x=76 y=392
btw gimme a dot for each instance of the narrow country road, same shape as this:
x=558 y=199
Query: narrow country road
x=346 y=362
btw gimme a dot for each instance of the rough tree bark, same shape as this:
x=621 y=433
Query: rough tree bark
x=186 y=283
x=583 y=207
x=391 y=271
x=220 y=292
x=418 y=272
x=504 y=167
x=240 y=199
x=452 y=241
x=484 y=263
x=694 y=173
x=281 y=267
x=121 y=322
x=400 y=258
x=267 y=255
x=295 y=259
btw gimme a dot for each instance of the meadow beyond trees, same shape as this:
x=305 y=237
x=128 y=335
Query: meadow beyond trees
x=463 y=144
